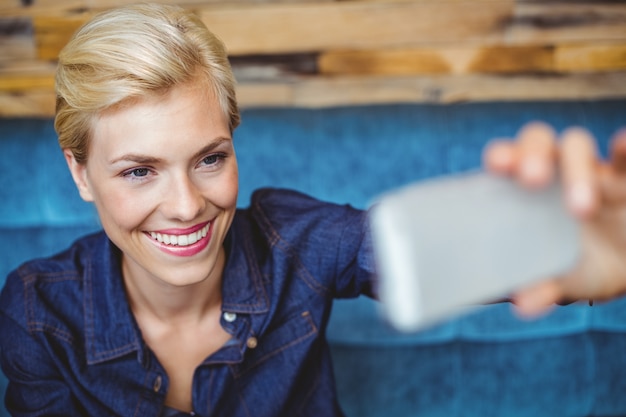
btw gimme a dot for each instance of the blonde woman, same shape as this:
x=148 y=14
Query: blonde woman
x=185 y=305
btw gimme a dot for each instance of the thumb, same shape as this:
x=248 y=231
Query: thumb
x=538 y=299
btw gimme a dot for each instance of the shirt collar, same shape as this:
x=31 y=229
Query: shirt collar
x=243 y=283
x=110 y=328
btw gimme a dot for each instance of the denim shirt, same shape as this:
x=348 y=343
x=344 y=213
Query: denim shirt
x=70 y=345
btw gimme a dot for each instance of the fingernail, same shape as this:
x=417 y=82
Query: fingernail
x=529 y=308
x=534 y=170
x=580 y=197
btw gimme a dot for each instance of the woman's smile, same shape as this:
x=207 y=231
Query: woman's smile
x=183 y=242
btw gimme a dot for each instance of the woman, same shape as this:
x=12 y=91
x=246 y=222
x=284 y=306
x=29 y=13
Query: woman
x=185 y=305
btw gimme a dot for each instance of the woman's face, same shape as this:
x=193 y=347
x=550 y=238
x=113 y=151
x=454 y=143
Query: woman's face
x=162 y=174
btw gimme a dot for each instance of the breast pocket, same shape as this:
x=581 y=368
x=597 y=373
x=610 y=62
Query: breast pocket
x=287 y=342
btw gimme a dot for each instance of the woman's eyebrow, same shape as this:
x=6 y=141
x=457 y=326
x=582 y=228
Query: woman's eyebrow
x=211 y=146
x=137 y=158
x=147 y=159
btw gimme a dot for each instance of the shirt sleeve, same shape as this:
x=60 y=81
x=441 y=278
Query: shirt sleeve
x=356 y=270
x=35 y=385
x=332 y=241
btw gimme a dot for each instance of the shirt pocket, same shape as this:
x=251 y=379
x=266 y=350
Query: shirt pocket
x=289 y=340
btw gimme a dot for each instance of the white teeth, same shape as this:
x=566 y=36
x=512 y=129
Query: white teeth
x=181 y=240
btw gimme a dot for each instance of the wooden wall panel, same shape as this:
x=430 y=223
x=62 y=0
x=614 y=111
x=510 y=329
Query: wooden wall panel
x=568 y=21
x=440 y=89
x=442 y=60
x=590 y=57
x=27 y=104
x=296 y=28
x=352 y=52
x=355 y=24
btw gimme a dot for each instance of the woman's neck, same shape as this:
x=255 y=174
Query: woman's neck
x=153 y=299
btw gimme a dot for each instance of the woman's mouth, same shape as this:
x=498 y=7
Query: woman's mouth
x=181 y=240
x=184 y=243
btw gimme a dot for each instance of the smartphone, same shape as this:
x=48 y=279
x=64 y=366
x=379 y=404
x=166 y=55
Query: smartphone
x=446 y=245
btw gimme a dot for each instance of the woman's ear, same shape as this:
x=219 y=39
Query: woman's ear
x=79 y=174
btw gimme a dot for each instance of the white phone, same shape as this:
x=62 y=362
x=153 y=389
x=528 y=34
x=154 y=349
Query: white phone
x=448 y=244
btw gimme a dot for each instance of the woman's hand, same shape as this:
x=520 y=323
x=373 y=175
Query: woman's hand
x=594 y=192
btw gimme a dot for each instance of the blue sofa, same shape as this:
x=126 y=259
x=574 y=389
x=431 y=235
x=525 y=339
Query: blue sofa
x=489 y=363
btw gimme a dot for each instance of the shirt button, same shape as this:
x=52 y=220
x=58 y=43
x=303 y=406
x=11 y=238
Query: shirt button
x=252 y=342
x=157 y=383
x=230 y=317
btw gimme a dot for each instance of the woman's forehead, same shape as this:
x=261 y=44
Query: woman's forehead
x=183 y=114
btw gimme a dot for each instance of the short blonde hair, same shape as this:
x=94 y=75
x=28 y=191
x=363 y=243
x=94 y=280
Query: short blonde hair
x=133 y=52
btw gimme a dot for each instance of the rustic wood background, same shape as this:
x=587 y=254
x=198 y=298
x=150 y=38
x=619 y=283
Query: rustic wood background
x=353 y=52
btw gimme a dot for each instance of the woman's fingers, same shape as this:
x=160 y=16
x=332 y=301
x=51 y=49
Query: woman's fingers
x=529 y=158
x=538 y=299
x=613 y=175
x=499 y=157
x=595 y=192
x=618 y=152
x=579 y=164
x=566 y=289
x=536 y=151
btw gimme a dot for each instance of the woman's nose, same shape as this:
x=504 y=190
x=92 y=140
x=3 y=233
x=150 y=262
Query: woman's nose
x=183 y=199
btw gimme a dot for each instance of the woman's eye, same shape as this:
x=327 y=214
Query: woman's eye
x=137 y=172
x=140 y=172
x=210 y=160
x=213 y=159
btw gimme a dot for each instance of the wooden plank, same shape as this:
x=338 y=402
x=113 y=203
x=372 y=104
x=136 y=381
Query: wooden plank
x=52 y=32
x=264 y=67
x=289 y=28
x=26 y=82
x=279 y=28
x=384 y=62
x=442 y=60
x=512 y=60
x=263 y=94
x=16 y=40
x=304 y=27
x=46 y=7
x=558 y=22
x=16 y=48
x=315 y=92
x=590 y=57
x=347 y=91
x=30 y=8
x=30 y=104
x=601 y=57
